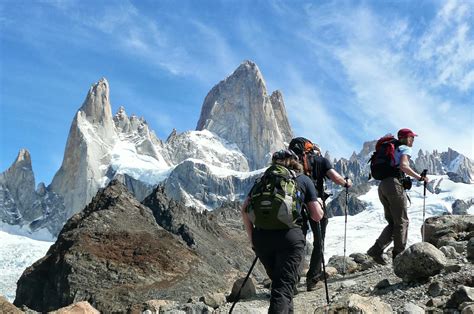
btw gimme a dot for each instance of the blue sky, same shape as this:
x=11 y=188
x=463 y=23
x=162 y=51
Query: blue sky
x=349 y=71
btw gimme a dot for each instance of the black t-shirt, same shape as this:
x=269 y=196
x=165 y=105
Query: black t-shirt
x=320 y=166
x=307 y=188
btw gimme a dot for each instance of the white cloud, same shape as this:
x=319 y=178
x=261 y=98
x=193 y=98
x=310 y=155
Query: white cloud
x=388 y=93
x=448 y=45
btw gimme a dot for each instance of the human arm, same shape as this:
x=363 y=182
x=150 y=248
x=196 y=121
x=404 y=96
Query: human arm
x=405 y=167
x=246 y=220
x=315 y=210
x=338 y=179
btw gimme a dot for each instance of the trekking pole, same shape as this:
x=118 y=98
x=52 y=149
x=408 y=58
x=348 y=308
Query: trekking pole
x=423 y=175
x=345 y=228
x=318 y=229
x=243 y=284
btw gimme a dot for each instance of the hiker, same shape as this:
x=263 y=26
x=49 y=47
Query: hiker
x=318 y=168
x=392 y=196
x=274 y=224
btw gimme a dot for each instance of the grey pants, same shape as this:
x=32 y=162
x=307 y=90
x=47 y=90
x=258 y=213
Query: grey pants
x=394 y=201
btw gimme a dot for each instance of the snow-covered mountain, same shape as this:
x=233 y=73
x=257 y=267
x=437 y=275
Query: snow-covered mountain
x=240 y=125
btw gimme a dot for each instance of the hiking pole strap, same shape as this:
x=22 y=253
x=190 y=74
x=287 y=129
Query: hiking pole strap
x=320 y=236
x=243 y=284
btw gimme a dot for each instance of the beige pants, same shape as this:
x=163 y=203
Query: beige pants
x=394 y=201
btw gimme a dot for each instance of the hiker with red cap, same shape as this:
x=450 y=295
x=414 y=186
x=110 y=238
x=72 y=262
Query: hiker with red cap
x=392 y=195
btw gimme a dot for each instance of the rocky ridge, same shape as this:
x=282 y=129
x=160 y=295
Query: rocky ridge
x=115 y=254
x=109 y=255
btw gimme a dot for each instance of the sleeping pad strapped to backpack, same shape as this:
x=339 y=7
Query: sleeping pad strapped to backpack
x=275 y=202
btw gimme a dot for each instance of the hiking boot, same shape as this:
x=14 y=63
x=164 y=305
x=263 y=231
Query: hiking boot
x=311 y=283
x=377 y=255
x=311 y=286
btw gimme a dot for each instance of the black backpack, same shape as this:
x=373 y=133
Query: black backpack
x=382 y=162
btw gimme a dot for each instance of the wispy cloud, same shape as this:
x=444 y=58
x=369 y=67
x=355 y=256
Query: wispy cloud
x=448 y=45
x=386 y=93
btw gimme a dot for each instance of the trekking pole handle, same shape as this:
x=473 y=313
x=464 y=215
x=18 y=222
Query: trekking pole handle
x=423 y=174
x=346 y=185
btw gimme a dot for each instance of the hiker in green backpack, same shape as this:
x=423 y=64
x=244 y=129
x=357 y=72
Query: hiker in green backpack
x=392 y=196
x=272 y=216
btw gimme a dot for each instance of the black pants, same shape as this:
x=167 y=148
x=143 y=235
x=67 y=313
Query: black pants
x=281 y=253
x=315 y=266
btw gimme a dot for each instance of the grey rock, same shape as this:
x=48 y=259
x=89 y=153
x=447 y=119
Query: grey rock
x=461 y=295
x=214 y=300
x=239 y=110
x=438 y=302
x=467 y=308
x=384 y=283
x=337 y=207
x=470 y=250
x=411 y=308
x=458 y=246
x=449 y=252
x=418 y=262
x=354 y=303
x=365 y=262
x=460 y=207
x=338 y=263
x=247 y=291
x=435 y=289
x=442 y=230
x=7 y=307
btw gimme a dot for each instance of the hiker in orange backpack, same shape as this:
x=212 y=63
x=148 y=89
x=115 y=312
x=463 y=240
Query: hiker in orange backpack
x=272 y=216
x=390 y=163
x=318 y=168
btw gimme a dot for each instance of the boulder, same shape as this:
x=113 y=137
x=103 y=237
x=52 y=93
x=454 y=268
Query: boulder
x=354 y=303
x=82 y=307
x=338 y=263
x=247 y=291
x=7 y=307
x=435 y=289
x=461 y=295
x=365 y=262
x=419 y=262
x=411 y=308
x=441 y=230
x=459 y=207
x=214 y=300
x=449 y=252
x=470 y=250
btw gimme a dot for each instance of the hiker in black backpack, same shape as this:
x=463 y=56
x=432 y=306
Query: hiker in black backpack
x=389 y=163
x=272 y=215
x=318 y=168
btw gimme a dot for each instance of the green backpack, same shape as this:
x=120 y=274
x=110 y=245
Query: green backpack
x=275 y=200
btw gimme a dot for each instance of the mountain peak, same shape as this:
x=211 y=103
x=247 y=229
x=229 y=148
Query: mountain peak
x=96 y=106
x=23 y=158
x=239 y=110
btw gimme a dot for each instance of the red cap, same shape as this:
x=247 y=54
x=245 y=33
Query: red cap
x=404 y=133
